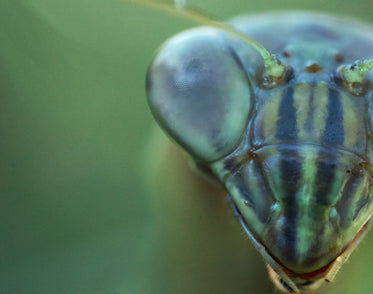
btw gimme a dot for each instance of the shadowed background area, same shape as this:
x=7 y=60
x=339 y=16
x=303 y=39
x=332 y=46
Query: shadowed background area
x=75 y=213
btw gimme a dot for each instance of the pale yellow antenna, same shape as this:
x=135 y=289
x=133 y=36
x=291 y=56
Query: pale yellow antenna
x=274 y=70
x=353 y=75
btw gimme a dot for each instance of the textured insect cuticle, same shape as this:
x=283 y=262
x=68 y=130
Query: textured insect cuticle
x=286 y=286
x=313 y=68
x=276 y=75
x=338 y=58
x=301 y=155
x=351 y=77
x=286 y=54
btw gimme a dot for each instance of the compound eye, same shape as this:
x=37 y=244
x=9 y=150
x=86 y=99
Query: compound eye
x=199 y=93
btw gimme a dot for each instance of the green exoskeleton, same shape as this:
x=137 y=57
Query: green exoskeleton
x=287 y=134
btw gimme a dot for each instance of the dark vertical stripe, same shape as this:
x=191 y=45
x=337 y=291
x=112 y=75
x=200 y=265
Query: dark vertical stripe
x=334 y=132
x=346 y=205
x=326 y=169
x=311 y=109
x=264 y=195
x=291 y=171
x=287 y=122
x=327 y=162
x=258 y=196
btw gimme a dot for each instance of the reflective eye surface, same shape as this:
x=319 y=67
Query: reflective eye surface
x=200 y=94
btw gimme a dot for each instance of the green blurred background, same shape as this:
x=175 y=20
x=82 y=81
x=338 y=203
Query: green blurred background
x=75 y=214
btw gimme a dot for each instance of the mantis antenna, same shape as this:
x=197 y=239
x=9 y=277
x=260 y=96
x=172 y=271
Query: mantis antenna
x=356 y=72
x=274 y=70
x=353 y=75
